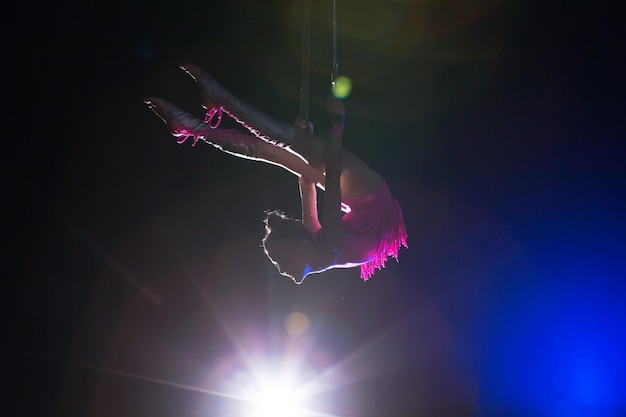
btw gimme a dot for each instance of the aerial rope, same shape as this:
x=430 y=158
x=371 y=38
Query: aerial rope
x=306 y=53
x=340 y=85
x=335 y=62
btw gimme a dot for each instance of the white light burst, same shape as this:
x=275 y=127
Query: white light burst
x=276 y=399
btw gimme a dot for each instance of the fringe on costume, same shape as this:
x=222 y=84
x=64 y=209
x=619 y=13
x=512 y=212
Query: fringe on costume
x=377 y=214
x=393 y=237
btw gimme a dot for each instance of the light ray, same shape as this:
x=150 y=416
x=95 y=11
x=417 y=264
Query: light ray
x=118 y=267
x=351 y=368
x=250 y=399
x=150 y=379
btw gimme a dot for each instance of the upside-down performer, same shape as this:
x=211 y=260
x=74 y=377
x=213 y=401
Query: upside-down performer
x=361 y=223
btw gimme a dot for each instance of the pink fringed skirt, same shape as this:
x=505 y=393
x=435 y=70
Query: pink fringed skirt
x=375 y=228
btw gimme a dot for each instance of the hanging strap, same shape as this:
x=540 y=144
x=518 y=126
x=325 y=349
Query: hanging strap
x=306 y=49
x=335 y=73
x=306 y=52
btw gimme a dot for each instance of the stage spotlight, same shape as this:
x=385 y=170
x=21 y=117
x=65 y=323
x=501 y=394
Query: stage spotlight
x=275 y=400
x=275 y=395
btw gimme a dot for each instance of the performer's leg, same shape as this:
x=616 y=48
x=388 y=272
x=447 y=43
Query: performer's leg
x=357 y=178
x=232 y=141
x=257 y=122
x=290 y=161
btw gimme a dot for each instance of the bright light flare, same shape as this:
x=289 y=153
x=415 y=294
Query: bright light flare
x=296 y=324
x=342 y=87
x=276 y=400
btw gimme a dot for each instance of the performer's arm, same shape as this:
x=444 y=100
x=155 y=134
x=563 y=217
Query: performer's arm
x=308 y=194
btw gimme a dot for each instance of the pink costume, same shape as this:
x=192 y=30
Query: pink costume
x=376 y=231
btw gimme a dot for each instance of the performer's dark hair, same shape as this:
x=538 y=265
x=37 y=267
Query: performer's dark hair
x=280 y=227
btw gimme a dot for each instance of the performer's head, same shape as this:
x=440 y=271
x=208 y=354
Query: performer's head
x=288 y=244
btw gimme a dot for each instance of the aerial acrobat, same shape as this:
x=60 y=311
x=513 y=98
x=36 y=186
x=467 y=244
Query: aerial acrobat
x=361 y=223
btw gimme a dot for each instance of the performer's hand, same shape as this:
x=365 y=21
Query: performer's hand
x=302 y=123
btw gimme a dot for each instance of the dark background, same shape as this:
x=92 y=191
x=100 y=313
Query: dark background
x=135 y=284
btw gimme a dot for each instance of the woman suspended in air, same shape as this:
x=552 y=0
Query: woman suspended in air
x=361 y=223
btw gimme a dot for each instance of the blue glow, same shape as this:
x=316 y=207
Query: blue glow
x=307 y=271
x=557 y=341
